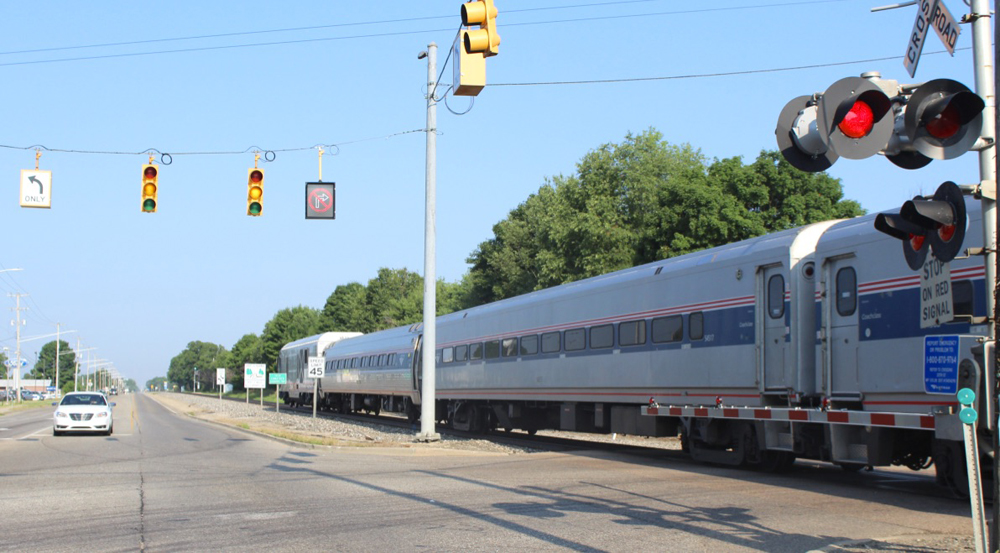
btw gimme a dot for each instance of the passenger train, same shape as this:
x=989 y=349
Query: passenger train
x=805 y=343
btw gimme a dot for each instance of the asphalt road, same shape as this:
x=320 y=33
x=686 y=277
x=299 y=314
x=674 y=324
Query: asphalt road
x=166 y=482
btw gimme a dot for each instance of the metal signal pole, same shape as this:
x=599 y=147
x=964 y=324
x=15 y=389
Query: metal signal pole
x=429 y=343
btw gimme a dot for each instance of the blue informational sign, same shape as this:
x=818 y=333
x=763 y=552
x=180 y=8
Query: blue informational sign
x=941 y=364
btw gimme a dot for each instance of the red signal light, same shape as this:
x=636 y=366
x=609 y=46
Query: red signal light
x=917 y=242
x=858 y=122
x=946 y=232
x=946 y=124
x=150 y=172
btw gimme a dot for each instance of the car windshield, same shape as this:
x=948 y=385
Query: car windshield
x=84 y=399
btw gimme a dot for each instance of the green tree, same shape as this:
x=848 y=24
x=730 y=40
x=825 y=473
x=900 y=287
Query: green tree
x=45 y=366
x=248 y=349
x=287 y=325
x=395 y=297
x=205 y=356
x=640 y=201
x=346 y=309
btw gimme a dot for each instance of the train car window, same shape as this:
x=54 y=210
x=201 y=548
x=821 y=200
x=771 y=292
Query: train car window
x=847 y=291
x=365 y=361
x=631 y=333
x=962 y=297
x=509 y=347
x=492 y=349
x=602 y=337
x=461 y=353
x=447 y=355
x=392 y=359
x=476 y=351
x=551 y=342
x=381 y=360
x=529 y=345
x=696 y=326
x=668 y=329
x=373 y=361
x=576 y=339
x=776 y=297
x=437 y=357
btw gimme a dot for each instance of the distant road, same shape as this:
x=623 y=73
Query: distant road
x=166 y=482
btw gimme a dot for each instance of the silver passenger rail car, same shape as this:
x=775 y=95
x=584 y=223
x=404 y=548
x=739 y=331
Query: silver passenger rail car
x=293 y=359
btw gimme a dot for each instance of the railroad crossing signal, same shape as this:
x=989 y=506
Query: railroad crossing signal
x=150 y=186
x=859 y=117
x=255 y=191
x=485 y=39
x=937 y=224
x=941 y=120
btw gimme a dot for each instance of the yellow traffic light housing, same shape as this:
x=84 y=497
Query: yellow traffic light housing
x=485 y=39
x=469 y=71
x=255 y=191
x=150 y=186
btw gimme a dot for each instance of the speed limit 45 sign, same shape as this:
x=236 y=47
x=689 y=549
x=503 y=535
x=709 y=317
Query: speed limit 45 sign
x=315 y=369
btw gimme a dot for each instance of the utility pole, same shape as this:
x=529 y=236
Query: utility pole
x=429 y=341
x=17 y=362
x=58 y=389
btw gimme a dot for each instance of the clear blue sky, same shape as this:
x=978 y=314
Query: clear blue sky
x=139 y=287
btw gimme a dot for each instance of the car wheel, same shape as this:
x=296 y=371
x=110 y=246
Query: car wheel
x=110 y=430
x=56 y=432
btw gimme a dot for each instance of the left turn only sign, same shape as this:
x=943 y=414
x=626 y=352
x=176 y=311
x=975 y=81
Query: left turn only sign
x=36 y=188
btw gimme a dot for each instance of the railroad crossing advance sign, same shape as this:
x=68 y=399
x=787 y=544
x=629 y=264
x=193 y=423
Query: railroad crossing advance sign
x=321 y=200
x=315 y=367
x=220 y=377
x=36 y=188
x=930 y=13
x=253 y=375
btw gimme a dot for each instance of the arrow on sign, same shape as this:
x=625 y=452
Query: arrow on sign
x=32 y=178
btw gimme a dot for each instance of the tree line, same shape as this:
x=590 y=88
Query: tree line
x=629 y=203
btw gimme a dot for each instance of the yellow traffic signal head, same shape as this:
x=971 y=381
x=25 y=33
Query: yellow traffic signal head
x=150 y=177
x=255 y=191
x=485 y=39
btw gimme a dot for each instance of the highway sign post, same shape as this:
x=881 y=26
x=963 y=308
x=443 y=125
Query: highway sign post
x=254 y=377
x=315 y=372
x=220 y=379
x=277 y=379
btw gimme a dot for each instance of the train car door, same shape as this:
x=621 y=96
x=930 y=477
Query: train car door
x=840 y=328
x=771 y=326
x=418 y=364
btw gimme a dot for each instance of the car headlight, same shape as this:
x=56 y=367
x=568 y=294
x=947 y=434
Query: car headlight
x=102 y=414
x=61 y=414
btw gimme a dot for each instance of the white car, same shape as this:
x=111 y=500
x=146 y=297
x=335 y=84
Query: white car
x=83 y=412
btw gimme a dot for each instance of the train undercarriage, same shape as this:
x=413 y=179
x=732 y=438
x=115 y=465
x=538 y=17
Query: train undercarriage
x=771 y=446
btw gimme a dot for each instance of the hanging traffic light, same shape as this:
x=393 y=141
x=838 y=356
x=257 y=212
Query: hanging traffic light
x=942 y=119
x=255 y=191
x=937 y=224
x=485 y=39
x=150 y=186
x=852 y=119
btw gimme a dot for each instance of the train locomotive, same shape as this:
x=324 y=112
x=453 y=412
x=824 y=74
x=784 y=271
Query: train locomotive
x=805 y=343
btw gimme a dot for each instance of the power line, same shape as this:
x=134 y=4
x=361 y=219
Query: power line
x=309 y=28
x=378 y=35
x=721 y=74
